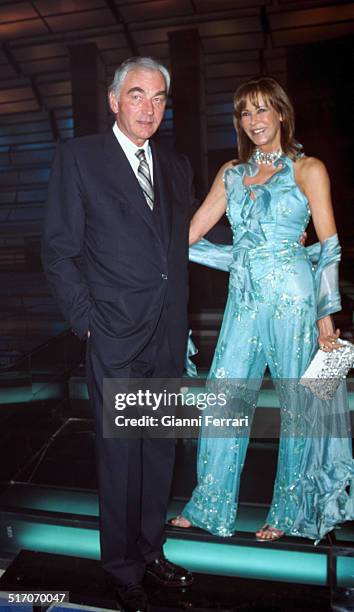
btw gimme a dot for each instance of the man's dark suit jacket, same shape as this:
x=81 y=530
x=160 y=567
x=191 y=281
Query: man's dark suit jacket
x=110 y=265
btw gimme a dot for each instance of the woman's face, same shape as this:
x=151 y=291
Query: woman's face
x=262 y=124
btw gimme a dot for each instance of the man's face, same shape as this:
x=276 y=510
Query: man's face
x=140 y=105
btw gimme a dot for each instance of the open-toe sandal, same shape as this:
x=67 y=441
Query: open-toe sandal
x=272 y=534
x=179 y=521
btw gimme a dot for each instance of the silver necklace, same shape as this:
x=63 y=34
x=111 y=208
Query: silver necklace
x=260 y=157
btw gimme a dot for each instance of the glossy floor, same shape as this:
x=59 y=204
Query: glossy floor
x=86 y=584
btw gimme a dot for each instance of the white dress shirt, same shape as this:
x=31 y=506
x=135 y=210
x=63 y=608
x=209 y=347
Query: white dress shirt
x=130 y=149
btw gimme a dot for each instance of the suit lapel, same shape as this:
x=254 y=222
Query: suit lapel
x=163 y=188
x=124 y=179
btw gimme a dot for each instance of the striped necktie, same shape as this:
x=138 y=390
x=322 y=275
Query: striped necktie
x=144 y=178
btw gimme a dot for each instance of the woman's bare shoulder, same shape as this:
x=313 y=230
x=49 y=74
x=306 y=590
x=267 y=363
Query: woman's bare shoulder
x=310 y=165
x=309 y=170
x=227 y=166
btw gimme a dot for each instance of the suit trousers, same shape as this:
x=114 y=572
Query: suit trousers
x=134 y=475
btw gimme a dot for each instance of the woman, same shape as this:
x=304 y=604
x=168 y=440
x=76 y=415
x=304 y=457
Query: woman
x=278 y=311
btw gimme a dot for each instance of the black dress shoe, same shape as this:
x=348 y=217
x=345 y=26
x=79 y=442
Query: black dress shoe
x=132 y=598
x=168 y=574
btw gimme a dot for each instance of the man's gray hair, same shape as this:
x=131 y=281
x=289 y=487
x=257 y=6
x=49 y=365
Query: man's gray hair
x=137 y=63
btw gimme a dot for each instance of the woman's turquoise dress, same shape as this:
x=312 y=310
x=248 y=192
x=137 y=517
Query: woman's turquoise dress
x=276 y=294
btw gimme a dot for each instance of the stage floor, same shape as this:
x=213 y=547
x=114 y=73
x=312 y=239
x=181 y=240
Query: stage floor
x=86 y=584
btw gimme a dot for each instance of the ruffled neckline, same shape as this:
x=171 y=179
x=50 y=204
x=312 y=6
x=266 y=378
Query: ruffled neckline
x=257 y=196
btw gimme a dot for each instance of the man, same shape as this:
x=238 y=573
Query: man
x=115 y=254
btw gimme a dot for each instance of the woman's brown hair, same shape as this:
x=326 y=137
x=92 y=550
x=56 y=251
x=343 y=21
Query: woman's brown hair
x=274 y=95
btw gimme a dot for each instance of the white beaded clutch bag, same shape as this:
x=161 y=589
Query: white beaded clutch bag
x=326 y=370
